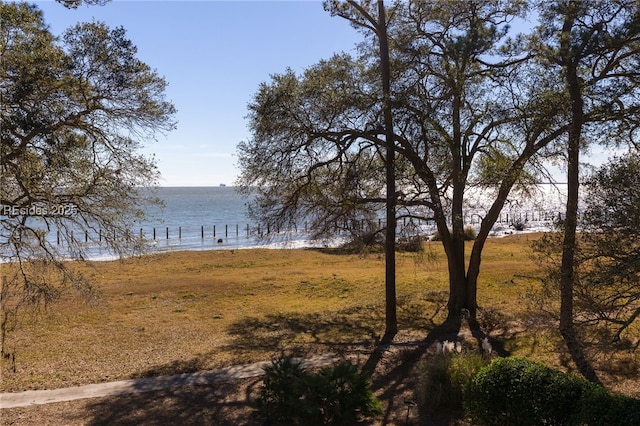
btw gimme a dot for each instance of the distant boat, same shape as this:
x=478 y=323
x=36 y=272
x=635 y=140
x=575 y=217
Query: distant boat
x=222 y=185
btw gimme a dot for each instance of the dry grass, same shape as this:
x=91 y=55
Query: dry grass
x=188 y=311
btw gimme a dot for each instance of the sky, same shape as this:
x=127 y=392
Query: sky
x=214 y=55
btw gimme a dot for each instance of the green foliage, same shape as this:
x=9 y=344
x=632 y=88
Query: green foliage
x=76 y=109
x=82 y=105
x=515 y=391
x=336 y=395
x=443 y=378
x=317 y=145
x=518 y=392
x=279 y=398
x=74 y=4
x=598 y=406
x=340 y=393
x=609 y=288
x=607 y=260
x=613 y=196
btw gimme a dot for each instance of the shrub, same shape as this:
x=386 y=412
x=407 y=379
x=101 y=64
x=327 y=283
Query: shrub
x=519 y=225
x=515 y=391
x=598 y=406
x=283 y=386
x=365 y=243
x=339 y=394
x=410 y=244
x=443 y=378
x=336 y=395
x=470 y=233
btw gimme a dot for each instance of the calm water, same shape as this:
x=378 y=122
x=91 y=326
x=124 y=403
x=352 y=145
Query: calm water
x=206 y=218
x=191 y=211
x=197 y=206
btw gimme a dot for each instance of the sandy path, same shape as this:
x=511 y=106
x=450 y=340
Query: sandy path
x=35 y=397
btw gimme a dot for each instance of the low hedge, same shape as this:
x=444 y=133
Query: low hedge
x=598 y=406
x=516 y=391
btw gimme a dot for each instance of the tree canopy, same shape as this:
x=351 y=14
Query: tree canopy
x=474 y=110
x=609 y=284
x=75 y=110
x=318 y=139
x=593 y=49
x=74 y=4
x=607 y=257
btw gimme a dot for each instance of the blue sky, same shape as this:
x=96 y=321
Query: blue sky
x=214 y=55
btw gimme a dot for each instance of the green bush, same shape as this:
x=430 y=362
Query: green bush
x=336 y=395
x=598 y=406
x=339 y=394
x=443 y=378
x=283 y=386
x=515 y=391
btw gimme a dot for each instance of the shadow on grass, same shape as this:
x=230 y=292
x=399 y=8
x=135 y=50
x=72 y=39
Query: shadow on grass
x=353 y=330
x=287 y=331
x=224 y=403
x=357 y=330
x=298 y=334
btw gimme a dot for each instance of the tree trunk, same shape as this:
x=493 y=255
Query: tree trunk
x=391 y=321
x=461 y=294
x=567 y=272
x=458 y=288
x=473 y=270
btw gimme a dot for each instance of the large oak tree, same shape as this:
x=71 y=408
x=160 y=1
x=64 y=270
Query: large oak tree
x=473 y=111
x=466 y=115
x=75 y=110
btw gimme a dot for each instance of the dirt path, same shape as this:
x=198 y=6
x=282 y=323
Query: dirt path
x=122 y=387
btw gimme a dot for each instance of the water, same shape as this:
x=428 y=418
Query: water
x=198 y=218
x=210 y=218
x=205 y=218
x=190 y=215
x=194 y=210
x=200 y=206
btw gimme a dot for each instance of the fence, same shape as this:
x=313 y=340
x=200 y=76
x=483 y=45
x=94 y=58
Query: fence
x=167 y=233
x=215 y=232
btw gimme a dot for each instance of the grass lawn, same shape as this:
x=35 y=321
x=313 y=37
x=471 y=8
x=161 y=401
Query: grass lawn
x=187 y=311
